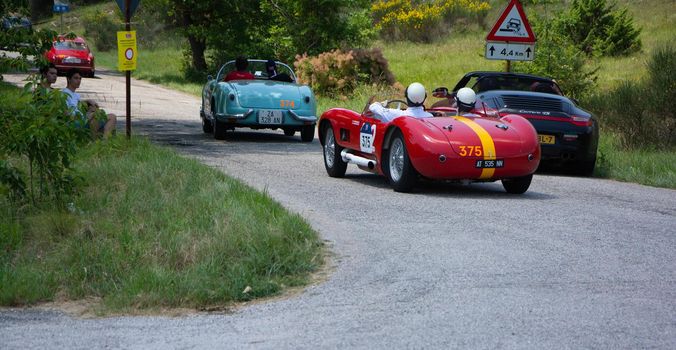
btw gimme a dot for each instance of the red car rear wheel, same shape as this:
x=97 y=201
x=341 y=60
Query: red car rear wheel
x=397 y=165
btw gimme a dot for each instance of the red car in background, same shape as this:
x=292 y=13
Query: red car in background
x=67 y=54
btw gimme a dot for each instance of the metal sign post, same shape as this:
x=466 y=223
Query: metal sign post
x=61 y=6
x=128 y=7
x=127 y=27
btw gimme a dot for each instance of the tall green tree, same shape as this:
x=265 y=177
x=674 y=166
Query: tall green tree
x=208 y=24
x=315 y=26
x=598 y=28
x=264 y=28
x=40 y=9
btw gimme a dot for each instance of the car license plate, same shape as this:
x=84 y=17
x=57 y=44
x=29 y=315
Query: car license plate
x=547 y=139
x=490 y=163
x=269 y=117
x=71 y=60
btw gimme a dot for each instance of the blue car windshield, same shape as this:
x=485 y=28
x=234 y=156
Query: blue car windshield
x=257 y=68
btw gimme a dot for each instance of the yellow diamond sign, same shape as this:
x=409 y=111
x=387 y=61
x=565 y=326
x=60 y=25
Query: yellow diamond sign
x=126 y=50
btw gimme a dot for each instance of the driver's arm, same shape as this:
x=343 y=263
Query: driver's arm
x=384 y=113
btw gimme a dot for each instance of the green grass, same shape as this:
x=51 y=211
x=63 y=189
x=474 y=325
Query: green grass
x=438 y=64
x=647 y=167
x=657 y=18
x=150 y=229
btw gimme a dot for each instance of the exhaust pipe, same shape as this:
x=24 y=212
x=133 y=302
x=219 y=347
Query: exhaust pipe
x=354 y=159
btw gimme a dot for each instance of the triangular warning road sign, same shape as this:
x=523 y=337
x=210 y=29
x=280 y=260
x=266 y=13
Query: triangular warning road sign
x=512 y=26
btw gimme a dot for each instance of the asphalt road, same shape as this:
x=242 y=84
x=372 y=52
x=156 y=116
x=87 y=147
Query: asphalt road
x=573 y=263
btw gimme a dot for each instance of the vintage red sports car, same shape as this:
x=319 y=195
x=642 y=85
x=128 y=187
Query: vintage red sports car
x=448 y=146
x=67 y=54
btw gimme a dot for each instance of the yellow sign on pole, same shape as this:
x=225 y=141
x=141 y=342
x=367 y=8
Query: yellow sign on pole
x=126 y=50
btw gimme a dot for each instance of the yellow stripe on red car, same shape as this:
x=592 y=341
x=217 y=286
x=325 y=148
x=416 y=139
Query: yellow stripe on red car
x=486 y=143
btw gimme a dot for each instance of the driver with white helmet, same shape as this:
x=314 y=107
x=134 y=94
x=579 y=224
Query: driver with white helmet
x=465 y=99
x=415 y=98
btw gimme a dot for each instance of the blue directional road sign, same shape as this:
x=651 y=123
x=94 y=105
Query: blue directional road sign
x=61 y=6
x=132 y=7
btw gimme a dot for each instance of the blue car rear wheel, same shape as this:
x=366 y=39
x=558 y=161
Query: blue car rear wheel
x=307 y=133
x=207 y=127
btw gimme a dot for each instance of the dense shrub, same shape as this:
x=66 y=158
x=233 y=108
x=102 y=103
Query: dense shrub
x=598 y=28
x=12 y=183
x=423 y=21
x=34 y=128
x=333 y=72
x=642 y=113
x=37 y=128
x=557 y=57
x=373 y=67
x=102 y=27
x=339 y=72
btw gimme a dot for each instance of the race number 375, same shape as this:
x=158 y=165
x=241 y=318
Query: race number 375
x=367 y=134
x=471 y=151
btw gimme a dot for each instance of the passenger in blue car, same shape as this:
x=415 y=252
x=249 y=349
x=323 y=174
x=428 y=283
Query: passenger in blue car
x=241 y=64
x=271 y=68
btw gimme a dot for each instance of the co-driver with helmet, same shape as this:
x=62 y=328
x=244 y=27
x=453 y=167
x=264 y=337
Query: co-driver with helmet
x=465 y=100
x=415 y=98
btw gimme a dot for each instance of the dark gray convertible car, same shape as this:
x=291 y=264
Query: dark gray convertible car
x=568 y=134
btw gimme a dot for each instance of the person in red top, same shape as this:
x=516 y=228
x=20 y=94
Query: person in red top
x=241 y=63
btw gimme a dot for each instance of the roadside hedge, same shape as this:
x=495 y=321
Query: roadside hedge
x=339 y=72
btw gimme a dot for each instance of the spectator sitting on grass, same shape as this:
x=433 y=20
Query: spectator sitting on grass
x=73 y=100
x=49 y=74
x=47 y=78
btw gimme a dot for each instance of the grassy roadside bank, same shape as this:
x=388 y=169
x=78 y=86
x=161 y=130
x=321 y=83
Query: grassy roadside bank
x=149 y=230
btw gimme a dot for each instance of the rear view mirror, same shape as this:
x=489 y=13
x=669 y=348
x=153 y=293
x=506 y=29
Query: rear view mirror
x=209 y=77
x=440 y=92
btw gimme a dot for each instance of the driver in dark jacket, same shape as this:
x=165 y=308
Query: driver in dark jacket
x=271 y=68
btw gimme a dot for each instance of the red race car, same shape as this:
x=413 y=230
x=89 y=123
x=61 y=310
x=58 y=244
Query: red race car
x=67 y=54
x=471 y=147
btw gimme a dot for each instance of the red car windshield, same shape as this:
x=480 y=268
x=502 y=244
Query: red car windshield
x=70 y=45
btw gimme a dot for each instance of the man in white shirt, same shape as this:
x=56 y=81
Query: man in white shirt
x=73 y=99
x=415 y=98
x=73 y=80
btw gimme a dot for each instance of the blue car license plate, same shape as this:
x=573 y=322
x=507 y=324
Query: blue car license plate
x=267 y=116
x=490 y=163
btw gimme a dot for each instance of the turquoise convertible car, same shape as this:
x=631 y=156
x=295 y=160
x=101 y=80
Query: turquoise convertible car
x=259 y=103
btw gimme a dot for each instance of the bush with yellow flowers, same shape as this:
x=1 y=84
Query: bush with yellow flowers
x=424 y=21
